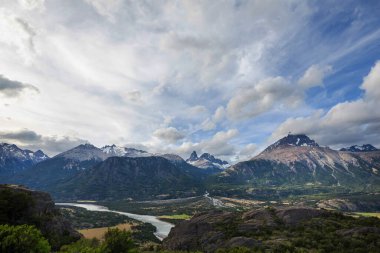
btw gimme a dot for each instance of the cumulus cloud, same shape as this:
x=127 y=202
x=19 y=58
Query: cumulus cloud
x=248 y=151
x=11 y=88
x=219 y=143
x=314 y=76
x=211 y=122
x=169 y=134
x=346 y=123
x=262 y=97
x=31 y=140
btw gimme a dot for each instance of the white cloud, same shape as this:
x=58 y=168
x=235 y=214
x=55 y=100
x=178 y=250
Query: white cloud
x=247 y=152
x=169 y=134
x=219 y=143
x=346 y=123
x=262 y=97
x=314 y=76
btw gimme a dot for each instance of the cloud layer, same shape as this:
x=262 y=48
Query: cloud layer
x=172 y=76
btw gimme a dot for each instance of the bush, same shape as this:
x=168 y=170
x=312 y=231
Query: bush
x=82 y=246
x=22 y=239
x=118 y=241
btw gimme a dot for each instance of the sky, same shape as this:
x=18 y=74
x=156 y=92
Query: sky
x=224 y=77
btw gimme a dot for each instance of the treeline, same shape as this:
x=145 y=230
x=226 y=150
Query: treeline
x=26 y=238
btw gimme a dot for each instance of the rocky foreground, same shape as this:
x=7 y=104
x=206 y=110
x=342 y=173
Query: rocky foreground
x=19 y=205
x=275 y=229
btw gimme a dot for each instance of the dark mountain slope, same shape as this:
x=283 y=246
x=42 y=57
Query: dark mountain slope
x=48 y=173
x=126 y=177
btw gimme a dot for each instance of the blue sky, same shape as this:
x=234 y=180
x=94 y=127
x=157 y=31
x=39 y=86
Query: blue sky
x=225 y=77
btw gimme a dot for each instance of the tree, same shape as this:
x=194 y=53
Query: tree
x=21 y=239
x=118 y=241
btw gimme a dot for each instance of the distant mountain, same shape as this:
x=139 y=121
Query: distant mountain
x=114 y=150
x=207 y=162
x=60 y=167
x=126 y=177
x=14 y=160
x=298 y=160
x=363 y=148
x=179 y=162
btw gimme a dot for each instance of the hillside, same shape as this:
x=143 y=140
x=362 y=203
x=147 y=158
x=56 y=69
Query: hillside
x=295 y=229
x=126 y=177
x=297 y=160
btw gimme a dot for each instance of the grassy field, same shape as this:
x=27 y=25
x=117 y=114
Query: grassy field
x=98 y=233
x=377 y=215
x=176 y=217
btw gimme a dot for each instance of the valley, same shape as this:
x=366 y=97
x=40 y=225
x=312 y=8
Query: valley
x=153 y=196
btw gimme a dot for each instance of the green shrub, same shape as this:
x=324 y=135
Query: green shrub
x=118 y=241
x=22 y=239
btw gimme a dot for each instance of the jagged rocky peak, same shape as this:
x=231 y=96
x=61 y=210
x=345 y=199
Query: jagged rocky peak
x=299 y=140
x=212 y=158
x=358 y=148
x=207 y=161
x=193 y=157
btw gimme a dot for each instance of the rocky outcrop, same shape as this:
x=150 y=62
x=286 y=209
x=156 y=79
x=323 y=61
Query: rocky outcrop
x=24 y=206
x=220 y=229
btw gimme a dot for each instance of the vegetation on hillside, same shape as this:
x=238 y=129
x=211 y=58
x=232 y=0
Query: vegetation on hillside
x=22 y=239
x=84 y=219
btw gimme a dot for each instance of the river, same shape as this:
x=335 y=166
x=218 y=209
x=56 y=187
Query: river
x=162 y=227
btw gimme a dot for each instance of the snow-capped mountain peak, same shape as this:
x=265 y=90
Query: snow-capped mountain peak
x=13 y=158
x=113 y=150
x=358 y=148
x=206 y=161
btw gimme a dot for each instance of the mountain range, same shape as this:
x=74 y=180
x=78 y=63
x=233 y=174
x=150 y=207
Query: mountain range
x=112 y=172
x=14 y=160
x=296 y=160
x=207 y=162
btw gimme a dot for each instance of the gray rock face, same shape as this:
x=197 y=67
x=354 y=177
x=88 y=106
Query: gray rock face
x=219 y=229
x=38 y=209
